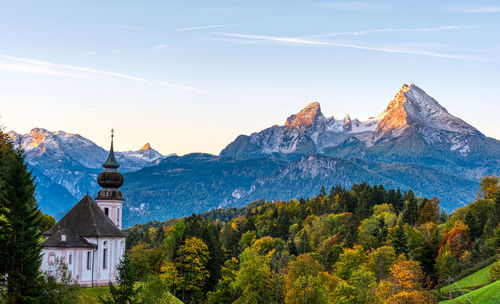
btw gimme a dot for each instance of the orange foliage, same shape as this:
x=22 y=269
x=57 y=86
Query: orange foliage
x=459 y=242
x=404 y=285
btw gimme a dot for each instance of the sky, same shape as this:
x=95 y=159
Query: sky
x=190 y=76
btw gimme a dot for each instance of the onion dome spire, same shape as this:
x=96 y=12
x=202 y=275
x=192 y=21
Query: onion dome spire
x=111 y=162
x=110 y=179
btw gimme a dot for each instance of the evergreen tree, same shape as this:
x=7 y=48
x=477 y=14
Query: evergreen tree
x=125 y=292
x=410 y=214
x=20 y=234
x=473 y=224
x=400 y=240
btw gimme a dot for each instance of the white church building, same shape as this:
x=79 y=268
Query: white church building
x=89 y=238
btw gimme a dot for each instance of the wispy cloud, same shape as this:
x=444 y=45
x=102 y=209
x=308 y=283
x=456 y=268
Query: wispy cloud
x=185 y=87
x=33 y=66
x=472 y=10
x=385 y=49
x=389 y=30
x=206 y=27
x=356 y=6
x=41 y=67
x=160 y=46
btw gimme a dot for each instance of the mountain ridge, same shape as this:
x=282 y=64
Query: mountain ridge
x=415 y=143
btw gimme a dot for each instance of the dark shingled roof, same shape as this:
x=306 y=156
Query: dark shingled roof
x=72 y=240
x=88 y=220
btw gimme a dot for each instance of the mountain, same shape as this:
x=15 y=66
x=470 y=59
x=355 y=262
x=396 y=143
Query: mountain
x=66 y=165
x=414 y=128
x=306 y=132
x=415 y=143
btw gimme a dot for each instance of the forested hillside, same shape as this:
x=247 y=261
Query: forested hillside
x=366 y=244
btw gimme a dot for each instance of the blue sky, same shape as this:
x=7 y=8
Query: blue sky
x=189 y=76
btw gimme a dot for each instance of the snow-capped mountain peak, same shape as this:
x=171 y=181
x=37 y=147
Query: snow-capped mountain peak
x=411 y=115
x=146 y=147
x=413 y=108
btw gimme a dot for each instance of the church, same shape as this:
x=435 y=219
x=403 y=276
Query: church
x=89 y=238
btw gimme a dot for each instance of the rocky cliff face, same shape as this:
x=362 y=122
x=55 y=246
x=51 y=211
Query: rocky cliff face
x=413 y=128
x=306 y=132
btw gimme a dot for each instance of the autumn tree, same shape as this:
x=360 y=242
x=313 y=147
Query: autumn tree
x=403 y=286
x=488 y=187
x=381 y=261
x=191 y=264
x=303 y=281
x=254 y=279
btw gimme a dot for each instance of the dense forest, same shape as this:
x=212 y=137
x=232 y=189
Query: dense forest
x=366 y=244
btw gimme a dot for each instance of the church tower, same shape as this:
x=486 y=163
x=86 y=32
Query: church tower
x=109 y=198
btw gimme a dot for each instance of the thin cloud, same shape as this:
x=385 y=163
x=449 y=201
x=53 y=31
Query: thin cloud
x=355 y=6
x=389 y=30
x=206 y=27
x=33 y=66
x=184 y=87
x=160 y=46
x=392 y=49
x=40 y=67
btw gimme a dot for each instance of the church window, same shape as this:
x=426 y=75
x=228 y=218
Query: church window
x=104 y=258
x=89 y=259
x=106 y=211
x=70 y=260
x=118 y=216
x=52 y=258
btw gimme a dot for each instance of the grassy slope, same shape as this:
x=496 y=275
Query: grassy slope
x=485 y=295
x=90 y=295
x=471 y=282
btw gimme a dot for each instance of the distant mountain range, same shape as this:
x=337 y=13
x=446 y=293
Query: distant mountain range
x=66 y=165
x=415 y=143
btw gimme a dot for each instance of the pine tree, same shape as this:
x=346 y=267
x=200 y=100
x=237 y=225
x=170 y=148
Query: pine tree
x=19 y=219
x=410 y=214
x=400 y=240
x=125 y=292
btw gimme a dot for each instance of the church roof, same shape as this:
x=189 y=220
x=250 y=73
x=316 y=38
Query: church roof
x=72 y=240
x=86 y=219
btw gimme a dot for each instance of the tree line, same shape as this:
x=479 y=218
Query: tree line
x=366 y=244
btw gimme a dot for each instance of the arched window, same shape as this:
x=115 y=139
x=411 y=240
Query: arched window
x=70 y=259
x=52 y=258
x=89 y=259
x=106 y=211
x=105 y=255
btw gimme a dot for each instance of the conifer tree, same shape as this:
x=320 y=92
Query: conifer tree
x=124 y=292
x=19 y=222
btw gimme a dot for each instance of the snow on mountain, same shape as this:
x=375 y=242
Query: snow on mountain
x=411 y=111
x=308 y=131
x=146 y=153
x=73 y=161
